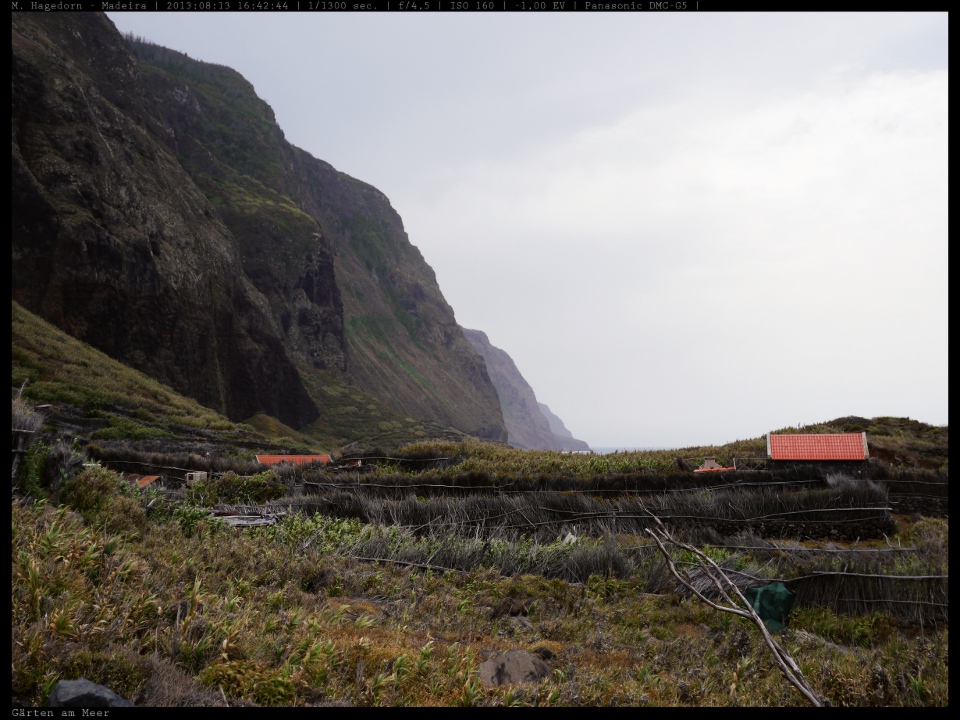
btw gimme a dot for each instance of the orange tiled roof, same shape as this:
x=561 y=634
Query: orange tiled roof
x=142 y=480
x=841 y=446
x=297 y=459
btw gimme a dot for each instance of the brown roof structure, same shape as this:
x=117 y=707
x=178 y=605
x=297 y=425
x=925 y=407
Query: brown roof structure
x=839 y=446
x=142 y=480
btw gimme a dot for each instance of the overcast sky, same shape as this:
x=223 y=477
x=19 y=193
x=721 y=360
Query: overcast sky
x=684 y=228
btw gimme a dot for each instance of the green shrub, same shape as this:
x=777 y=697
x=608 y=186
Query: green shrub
x=124 y=514
x=189 y=517
x=250 y=680
x=60 y=464
x=126 y=429
x=33 y=469
x=46 y=391
x=92 y=489
x=233 y=488
x=103 y=497
x=145 y=415
x=123 y=673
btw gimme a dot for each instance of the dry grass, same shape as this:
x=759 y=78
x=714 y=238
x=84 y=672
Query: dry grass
x=544 y=514
x=388 y=594
x=169 y=608
x=23 y=417
x=61 y=369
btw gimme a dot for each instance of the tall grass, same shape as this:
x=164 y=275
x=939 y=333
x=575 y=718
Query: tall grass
x=25 y=423
x=64 y=370
x=607 y=485
x=546 y=514
x=173 y=608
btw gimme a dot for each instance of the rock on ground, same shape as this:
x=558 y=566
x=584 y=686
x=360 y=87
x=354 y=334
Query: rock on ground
x=83 y=693
x=516 y=666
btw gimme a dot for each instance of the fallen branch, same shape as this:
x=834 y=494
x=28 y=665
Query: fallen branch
x=407 y=563
x=782 y=658
x=868 y=575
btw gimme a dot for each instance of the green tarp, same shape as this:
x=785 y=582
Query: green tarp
x=772 y=603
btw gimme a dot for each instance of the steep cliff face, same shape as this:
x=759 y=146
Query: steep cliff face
x=528 y=426
x=161 y=216
x=113 y=242
x=227 y=140
x=379 y=322
x=560 y=430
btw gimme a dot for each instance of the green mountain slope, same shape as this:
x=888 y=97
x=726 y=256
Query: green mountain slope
x=85 y=393
x=161 y=216
x=113 y=242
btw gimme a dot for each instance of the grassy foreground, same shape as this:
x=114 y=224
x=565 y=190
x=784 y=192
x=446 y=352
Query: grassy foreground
x=168 y=607
x=171 y=608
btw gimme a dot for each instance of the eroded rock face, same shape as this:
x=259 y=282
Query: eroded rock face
x=529 y=423
x=516 y=666
x=229 y=144
x=161 y=216
x=352 y=294
x=560 y=430
x=114 y=243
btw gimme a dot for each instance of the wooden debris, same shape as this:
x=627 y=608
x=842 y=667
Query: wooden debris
x=259 y=520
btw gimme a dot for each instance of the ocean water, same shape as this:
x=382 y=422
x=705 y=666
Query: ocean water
x=608 y=450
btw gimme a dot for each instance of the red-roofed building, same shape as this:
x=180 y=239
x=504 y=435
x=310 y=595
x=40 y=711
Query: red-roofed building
x=839 y=449
x=292 y=459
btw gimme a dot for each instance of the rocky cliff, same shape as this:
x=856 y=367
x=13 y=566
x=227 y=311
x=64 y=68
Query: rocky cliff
x=530 y=424
x=160 y=216
x=560 y=430
x=113 y=242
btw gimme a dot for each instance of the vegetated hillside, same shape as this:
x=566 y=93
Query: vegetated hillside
x=528 y=426
x=113 y=242
x=410 y=589
x=897 y=441
x=87 y=396
x=161 y=217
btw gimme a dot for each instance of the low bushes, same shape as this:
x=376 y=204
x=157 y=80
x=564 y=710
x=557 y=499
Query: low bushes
x=233 y=488
x=249 y=680
x=546 y=514
x=283 y=615
x=104 y=498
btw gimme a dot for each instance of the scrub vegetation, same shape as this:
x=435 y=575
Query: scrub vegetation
x=342 y=603
x=172 y=607
x=388 y=576
x=56 y=368
x=396 y=570
x=110 y=401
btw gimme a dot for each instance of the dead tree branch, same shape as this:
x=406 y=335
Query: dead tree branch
x=787 y=666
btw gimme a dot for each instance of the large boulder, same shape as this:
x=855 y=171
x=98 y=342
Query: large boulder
x=83 y=693
x=516 y=666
